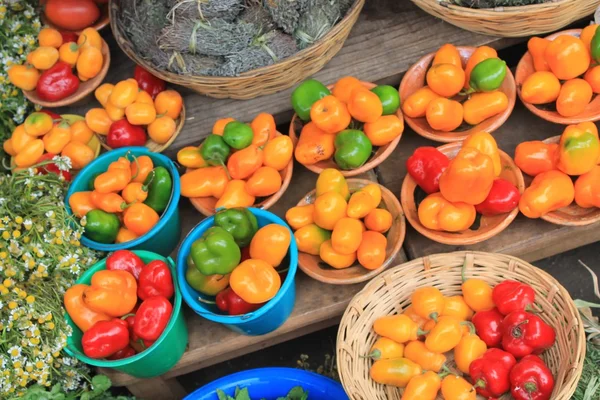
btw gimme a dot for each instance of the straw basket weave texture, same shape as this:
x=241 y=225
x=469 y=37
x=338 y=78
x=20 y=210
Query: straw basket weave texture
x=390 y=292
x=516 y=21
x=258 y=82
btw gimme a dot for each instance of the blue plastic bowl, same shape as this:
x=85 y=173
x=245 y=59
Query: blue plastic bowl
x=264 y=320
x=271 y=383
x=161 y=239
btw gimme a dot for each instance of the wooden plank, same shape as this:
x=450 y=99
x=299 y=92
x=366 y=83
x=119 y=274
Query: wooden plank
x=158 y=388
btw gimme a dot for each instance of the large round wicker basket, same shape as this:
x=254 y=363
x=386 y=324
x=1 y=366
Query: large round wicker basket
x=258 y=82
x=516 y=21
x=390 y=293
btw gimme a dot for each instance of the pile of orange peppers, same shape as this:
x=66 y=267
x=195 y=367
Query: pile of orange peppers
x=341 y=227
x=240 y=176
x=455 y=93
x=554 y=166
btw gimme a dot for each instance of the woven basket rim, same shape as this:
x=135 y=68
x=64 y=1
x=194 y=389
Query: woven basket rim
x=508 y=10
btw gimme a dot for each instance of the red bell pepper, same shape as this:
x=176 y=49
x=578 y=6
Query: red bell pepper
x=490 y=373
x=511 y=296
x=425 y=166
x=245 y=254
x=123 y=353
x=531 y=379
x=137 y=343
x=69 y=37
x=125 y=260
x=105 y=338
x=503 y=198
x=488 y=325
x=57 y=83
x=228 y=301
x=148 y=82
x=524 y=333
x=155 y=280
x=123 y=134
x=152 y=318
x=52 y=167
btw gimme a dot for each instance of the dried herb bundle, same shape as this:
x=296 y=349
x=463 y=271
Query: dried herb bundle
x=227 y=10
x=186 y=64
x=143 y=21
x=497 y=3
x=286 y=13
x=257 y=15
x=317 y=22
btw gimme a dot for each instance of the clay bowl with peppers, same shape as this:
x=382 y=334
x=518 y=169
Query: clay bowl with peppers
x=488 y=226
x=548 y=111
x=415 y=78
x=102 y=21
x=85 y=88
x=380 y=154
x=317 y=269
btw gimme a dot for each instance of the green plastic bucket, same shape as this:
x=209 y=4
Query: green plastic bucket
x=155 y=360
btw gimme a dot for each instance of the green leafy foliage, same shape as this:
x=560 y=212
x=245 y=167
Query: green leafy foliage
x=296 y=393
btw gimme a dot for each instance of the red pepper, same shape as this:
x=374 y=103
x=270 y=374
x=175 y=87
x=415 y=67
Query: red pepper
x=503 y=198
x=57 y=83
x=490 y=372
x=135 y=341
x=531 y=379
x=426 y=166
x=524 y=333
x=125 y=260
x=245 y=254
x=105 y=338
x=148 y=82
x=53 y=115
x=152 y=318
x=228 y=301
x=511 y=296
x=155 y=280
x=488 y=325
x=52 y=167
x=123 y=353
x=124 y=134
x=69 y=37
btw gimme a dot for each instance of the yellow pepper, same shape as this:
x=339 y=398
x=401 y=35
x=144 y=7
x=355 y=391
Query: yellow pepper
x=300 y=216
x=386 y=349
x=400 y=328
x=309 y=239
x=457 y=388
x=428 y=302
x=332 y=180
x=469 y=349
x=457 y=307
x=416 y=351
x=423 y=387
x=445 y=335
x=397 y=372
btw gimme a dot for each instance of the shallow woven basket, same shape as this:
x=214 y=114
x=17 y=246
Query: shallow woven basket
x=516 y=21
x=390 y=292
x=258 y=82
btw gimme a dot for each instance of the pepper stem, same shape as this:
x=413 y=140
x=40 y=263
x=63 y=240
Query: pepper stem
x=374 y=355
x=471 y=326
x=421 y=332
x=445 y=371
x=530 y=387
x=201 y=300
x=124 y=317
x=135 y=160
x=145 y=187
x=516 y=331
x=480 y=384
x=434 y=316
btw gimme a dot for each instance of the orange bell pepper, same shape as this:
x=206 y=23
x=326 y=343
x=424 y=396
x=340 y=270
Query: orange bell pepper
x=50 y=37
x=69 y=53
x=82 y=315
x=410 y=312
x=190 y=157
x=330 y=207
x=333 y=258
x=482 y=106
x=38 y=124
x=264 y=182
x=81 y=203
x=278 y=152
x=124 y=93
x=219 y=126
x=79 y=153
x=469 y=349
x=8 y=148
x=417 y=352
x=264 y=129
x=364 y=106
x=140 y=218
x=24 y=77
x=58 y=137
x=29 y=154
x=468 y=178
x=255 y=281
x=140 y=113
x=310 y=237
x=89 y=63
x=379 y=220
x=169 y=102
x=125 y=235
x=486 y=144
x=135 y=192
x=347 y=235
x=43 y=57
x=162 y=129
x=456 y=388
x=140 y=168
x=113 y=180
x=439 y=214
x=567 y=57
x=457 y=307
x=445 y=335
x=579 y=149
x=371 y=253
x=204 y=182
x=574 y=97
x=235 y=195
x=98 y=120
x=549 y=191
x=332 y=180
x=447 y=54
x=270 y=244
x=113 y=293
x=415 y=105
x=20 y=138
x=445 y=79
x=102 y=93
x=444 y=114
x=300 y=216
x=477 y=294
x=108 y=202
x=314 y=145
x=245 y=162
x=537 y=48
x=536 y=157
x=364 y=201
x=540 y=88
x=90 y=37
x=81 y=133
x=385 y=349
x=344 y=87
x=384 y=130
x=428 y=302
x=587 y=189
x=423 y=387
x=331 y=115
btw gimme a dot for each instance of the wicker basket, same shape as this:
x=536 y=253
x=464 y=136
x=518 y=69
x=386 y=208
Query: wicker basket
x=258 y=82
x=390 y=292
x=511 y=21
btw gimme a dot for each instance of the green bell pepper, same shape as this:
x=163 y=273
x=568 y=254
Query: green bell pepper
x=215 y=252
x=101 y=227
x=389 y=97
x=210 y=285
x=238 y=135
x=595 y=46
x=353 y=149
x=214 y=150
x=305 y=95
x=488 y=75
x=240 y=222
x=160 y=186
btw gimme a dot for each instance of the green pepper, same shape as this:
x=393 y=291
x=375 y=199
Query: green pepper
x=488 y=75
x=595 y=46
x=352 y=149
x=210 y=285
x=101 y=227
x=214 y=150
x=238 y=135
x=215 y=252
x=240 y=222
x=160 y=186
x=389 y=97
x=305 y=95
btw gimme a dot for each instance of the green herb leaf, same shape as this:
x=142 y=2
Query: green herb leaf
x=297 y=393
x=221 y=395
x=242 y=394
x=101 y=383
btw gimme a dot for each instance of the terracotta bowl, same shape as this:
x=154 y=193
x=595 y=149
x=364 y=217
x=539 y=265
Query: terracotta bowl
x=380 y=155
x=525 y=68
x=314 y=267
x=489 y=226
x=85 y=88
x=206 y=205
x=102 y=21
x=414 y=79
x=151 y=144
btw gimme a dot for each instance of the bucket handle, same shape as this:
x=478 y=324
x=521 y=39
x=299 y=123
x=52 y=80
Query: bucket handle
x=243 y=317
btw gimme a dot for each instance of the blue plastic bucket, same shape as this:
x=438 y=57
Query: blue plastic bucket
x=161 y=239
x=271 y=383
x=264 y=320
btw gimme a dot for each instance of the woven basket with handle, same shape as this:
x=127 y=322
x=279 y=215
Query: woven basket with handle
x=390 y=292
x=258 y=82
x=517 y=21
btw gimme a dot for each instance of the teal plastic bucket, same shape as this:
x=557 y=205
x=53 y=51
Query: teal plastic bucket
x=158 y=358
x=264 y=320
x=161 y=239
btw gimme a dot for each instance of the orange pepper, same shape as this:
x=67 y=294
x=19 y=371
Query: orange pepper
x=235 y=195
x=58 y=137
x=144 y=98
x=477 y=294
x=43 y=57
x=480 y=54
x=264 y=182
x=549 y=191
x=486 y=144
x=49 y=37
x=121 y=163
x=124 y=93
x=162 y=129
x=310 y=237
x=300 y=216
x=364 y=201
x=330 y=207
x=90 y=37
x=438 y=214
x=255 y=281
x=587 y=189
x=330 y=115
x=587 y=34
x=371 y=253
x=29 y=154
x=140 y=218
x=245 y=162
x=69 y=53
x=140 y=113
x=579 y=149
x=113 y=180
x=190 y=157
x=113 y=293
x=423 y=387
x=536 y=157
x=135 y=192
x=333 y=258
x=384 y=130
x=89 y=63
x=537 y=49
x=108 y=202
x=456 y=388
x=540 y=88
x=444 y=115
x=20 y=139
x=379 y=220
x=428 y=302
x=98 y=120
x=445 y=335
x=415 y=105
x=24 y=76
x=468 y=178
x=386 y=349
x=141 y=168
x=38 y=124
x=332 y=180
x=79 y=153
x=592 y=76
x=169 y=102
x=81 y=203
x=400 y=328
x=80 y=132
x=482 y=106
x=264 y=129
x=364 y=106
x=278 y=152
x=219 y=126
x=410 y=312
x=125 y=235
x=417 y=352
x=347 y=236
x=204 y=182
x=567 y=57
x=395 y=372
x=270 y=244
x=457 y=307
x=344 y=87
x=445 y=79
x=447 y=54
x=574 y=97
x=314 y=145
x=103 y=92
x=469 y=349
x=8 y=148
x=82 y=315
